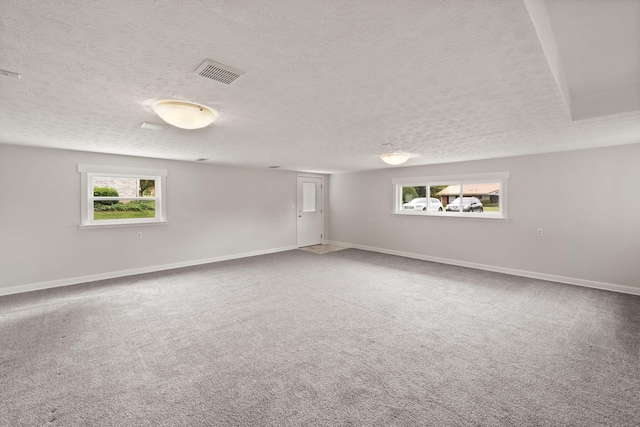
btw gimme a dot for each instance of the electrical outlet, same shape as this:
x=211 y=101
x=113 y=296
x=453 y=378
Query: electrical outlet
x=539 y=232
x=139 y=235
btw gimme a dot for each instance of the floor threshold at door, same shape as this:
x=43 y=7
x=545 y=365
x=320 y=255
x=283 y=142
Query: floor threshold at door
x=322 y=249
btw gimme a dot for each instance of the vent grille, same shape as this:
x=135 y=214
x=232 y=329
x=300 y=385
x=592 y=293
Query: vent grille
x=218 y=72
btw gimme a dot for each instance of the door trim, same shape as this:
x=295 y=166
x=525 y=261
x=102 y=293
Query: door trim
x=320 y=202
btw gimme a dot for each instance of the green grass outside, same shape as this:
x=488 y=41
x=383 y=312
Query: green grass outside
x=99 y=216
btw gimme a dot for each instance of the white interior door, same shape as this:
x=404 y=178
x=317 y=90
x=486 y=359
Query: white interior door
x=310 y=212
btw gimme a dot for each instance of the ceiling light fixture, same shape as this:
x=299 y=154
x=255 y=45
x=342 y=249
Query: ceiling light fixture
x=394 y=158
x=185 y=115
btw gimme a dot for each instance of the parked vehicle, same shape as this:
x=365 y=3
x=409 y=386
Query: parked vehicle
x=420 y=204
x=469 y=204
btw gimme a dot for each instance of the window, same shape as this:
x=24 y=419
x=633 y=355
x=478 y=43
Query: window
x=116 y=196
x=472 y=196
x=309 y=197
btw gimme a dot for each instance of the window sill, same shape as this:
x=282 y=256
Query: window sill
x=475 y=217
x=128 y=224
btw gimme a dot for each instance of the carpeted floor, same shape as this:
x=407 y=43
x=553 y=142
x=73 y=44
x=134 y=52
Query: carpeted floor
x=350 y=338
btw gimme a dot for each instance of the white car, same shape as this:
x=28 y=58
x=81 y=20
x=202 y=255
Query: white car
x=420 y=204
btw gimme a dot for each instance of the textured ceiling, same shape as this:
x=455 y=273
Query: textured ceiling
x=328 y=85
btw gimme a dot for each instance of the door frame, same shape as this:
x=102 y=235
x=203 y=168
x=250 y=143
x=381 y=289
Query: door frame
x=299 y=204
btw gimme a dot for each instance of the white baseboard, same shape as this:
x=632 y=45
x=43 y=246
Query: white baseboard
x=123 y=273
x=531 y=274
x=134 y=271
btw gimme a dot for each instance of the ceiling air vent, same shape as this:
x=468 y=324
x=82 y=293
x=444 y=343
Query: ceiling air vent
x=218 y=72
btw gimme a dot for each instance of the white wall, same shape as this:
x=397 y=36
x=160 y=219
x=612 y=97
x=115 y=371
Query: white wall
x=215 y=212
x=591 y=220
x=587 y=202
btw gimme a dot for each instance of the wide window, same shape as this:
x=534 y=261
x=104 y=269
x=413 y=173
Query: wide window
x=478 y=195
x=113 y=196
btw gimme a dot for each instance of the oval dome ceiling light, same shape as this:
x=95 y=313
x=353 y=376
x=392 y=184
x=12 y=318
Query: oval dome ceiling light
x=185 y=115
x=394 y=158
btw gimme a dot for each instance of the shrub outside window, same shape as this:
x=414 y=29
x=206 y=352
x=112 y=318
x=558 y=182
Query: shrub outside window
x=478 y=196
x=113 y=196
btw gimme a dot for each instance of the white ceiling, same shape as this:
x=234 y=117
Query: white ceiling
x=593 y=47
x=329 y=85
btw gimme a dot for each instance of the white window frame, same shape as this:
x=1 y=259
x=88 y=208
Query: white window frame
x=429 y=181
x=87 y=172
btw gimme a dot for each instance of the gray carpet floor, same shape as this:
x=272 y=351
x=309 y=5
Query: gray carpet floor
x=349 y=338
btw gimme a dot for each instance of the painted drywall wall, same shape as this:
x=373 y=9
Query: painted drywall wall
x=214 y=212
x=586 y=202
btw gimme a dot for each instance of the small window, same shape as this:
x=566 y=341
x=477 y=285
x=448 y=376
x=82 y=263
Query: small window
x=113 y=196
x=309 y=197
x=480 y=196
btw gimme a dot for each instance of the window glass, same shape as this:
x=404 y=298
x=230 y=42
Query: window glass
x=120 y=195
x=413 y=192
x=309 y=197
x=125 y=187
x=453 y=197
x=104 y=210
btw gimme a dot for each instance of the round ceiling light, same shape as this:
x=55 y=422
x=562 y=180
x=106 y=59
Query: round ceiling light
x=394 y=158
x=185 y=115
